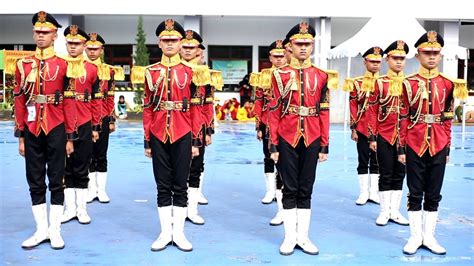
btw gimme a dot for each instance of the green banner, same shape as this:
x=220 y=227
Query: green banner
x=233 y=71
x=2 y=58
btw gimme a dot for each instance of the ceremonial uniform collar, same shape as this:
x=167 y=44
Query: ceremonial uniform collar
x=170 y=61
x=97 y=62
x=427 y=73
x=392 y=74
x=295 y=63
x=43 y=54
x=369 y=74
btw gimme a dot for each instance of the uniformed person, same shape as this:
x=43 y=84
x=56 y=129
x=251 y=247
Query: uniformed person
x=384 y=114
x=425 y=139
x=276 y=55
x=360 y=89
x=299 y=133
x=45 y=122
x=171 y=134
x=88 y=105
x=107 y=75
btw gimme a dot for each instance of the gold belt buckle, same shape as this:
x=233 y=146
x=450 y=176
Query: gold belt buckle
x=169 y=105
x=429 y=119
x=303 y=111
x=40 y=98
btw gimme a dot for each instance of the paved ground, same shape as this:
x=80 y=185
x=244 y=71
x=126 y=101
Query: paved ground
x=236 y=229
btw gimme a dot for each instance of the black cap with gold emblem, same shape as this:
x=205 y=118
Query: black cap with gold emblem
x=301 y=33
x=373 y=54
x=75 y=34
x=430 y=41
x=170 y=29
x=95 y=40
x=43 y=21
x=192 y=39
x=276 y=48
x=397 y=48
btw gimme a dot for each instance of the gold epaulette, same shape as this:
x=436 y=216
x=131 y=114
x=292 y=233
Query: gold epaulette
x=348 y=85
x=103 y=72
x=460 y=88
x=412 y=76
x=201 y=75
x=10 y=64
x=138 y=75
x=265 y=79
x=383 y=78
x=333 y=78
x=118 y=73
x=253 y=79
x=216 y=79
x=75 y=66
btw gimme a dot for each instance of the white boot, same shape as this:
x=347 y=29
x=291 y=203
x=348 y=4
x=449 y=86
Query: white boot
x=289 y=222
x=92 y=187
x=166 y=220
x=374 y=188
x=278 y=219
x=302 y=229
x=81 y=202
x=416 y=227
x=364 y=189
x=179 y=216
x=395 y=214
x=69 y=205
x=201 y=199
x=101 y=182
x=55 y=213
x=429 y=240
x=41 y=235
x=270 y=182
x=385 y=203
x=193 y=215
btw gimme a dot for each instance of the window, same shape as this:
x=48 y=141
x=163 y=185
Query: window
x=234 y=61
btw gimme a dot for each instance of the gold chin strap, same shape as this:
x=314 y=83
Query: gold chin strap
x=368 y=82
x=295 y=63
x=170 y=61
x=396 y=82
x=43 y=54
x=428 y=73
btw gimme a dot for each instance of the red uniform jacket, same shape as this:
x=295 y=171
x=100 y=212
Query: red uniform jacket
x=208 y=109
x=88 y=97
x=384 y=113
x=300 y=106
x=167 y=113
x=42 y=98
x=359 y=105
x=428 y=100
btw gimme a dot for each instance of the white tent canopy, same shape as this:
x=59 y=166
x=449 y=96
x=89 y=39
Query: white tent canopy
x=382 y=31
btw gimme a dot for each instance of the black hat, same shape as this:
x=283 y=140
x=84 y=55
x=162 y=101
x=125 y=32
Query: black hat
x=170 y=29
x=430 y=41
x=75 y=34
x=302 y=32
x=276 y=48
x=373 y=54
x=285 y=42
x=43 y=21
x=192 y=39
x=95 y=40
x=202 y=47
x=397 y=48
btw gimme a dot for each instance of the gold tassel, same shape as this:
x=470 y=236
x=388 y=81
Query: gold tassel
x=103 y=72
x=10 y=65
x=333 y=79
x=138 y=75
x=75 y=68
x=201 y=75
x=348 y=85
x=253 y=80
x=265 y=79
x=216 y=80
x=368 y=84
x=396 y=86
x=118 y=73
x=33 y=73
x=460 y=89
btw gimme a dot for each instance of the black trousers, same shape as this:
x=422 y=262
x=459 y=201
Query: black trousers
x=77 y=165
x=99 y=149
x=269 y=164
x=425 y=176
x=367 y=157
x=197 y=166
x=171 y=166
x=298 y=172
x=391 y=170
x=46 y=154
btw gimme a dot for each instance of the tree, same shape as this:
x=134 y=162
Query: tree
x=141 y=58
